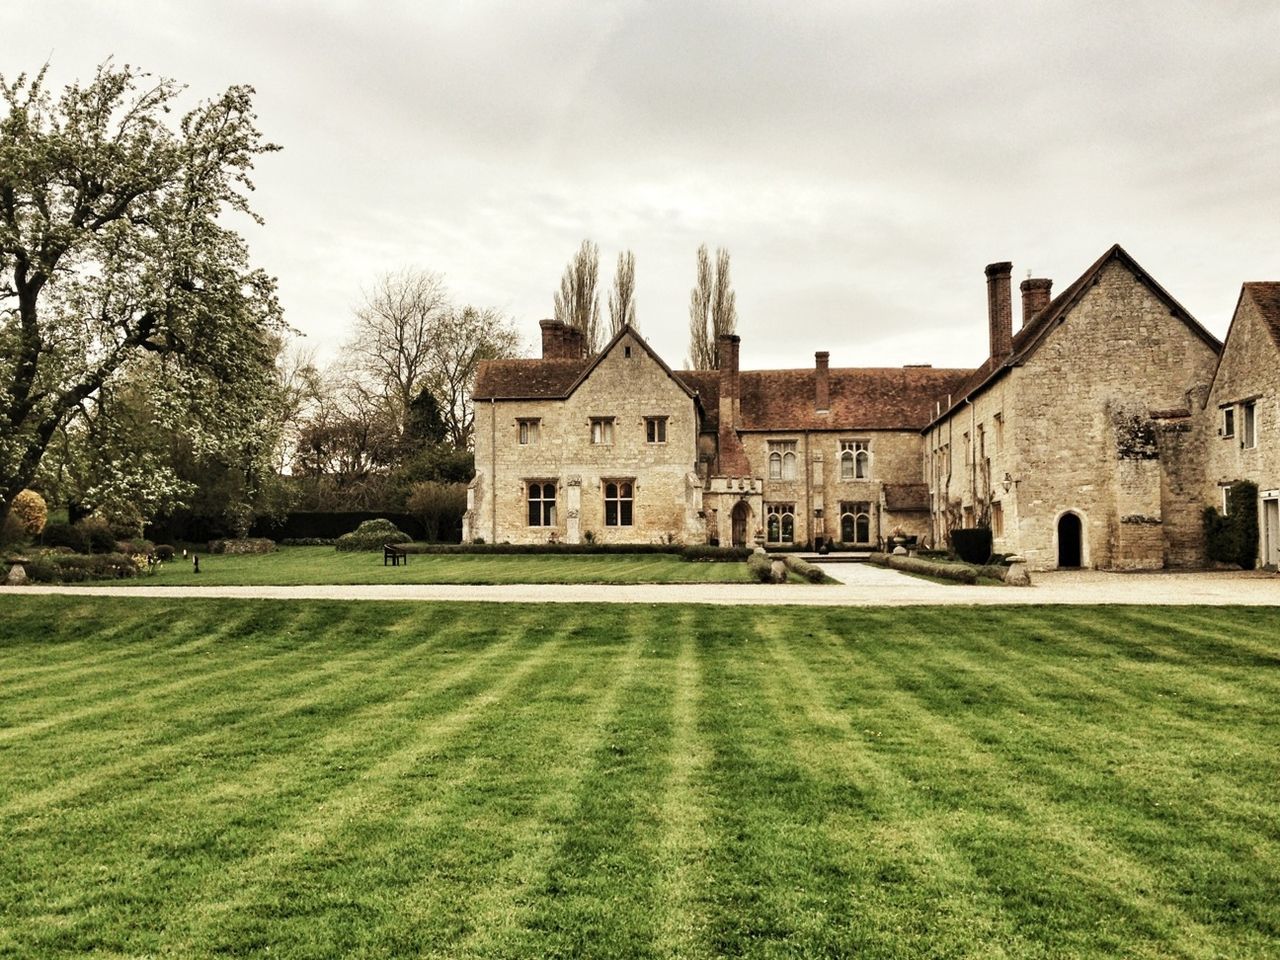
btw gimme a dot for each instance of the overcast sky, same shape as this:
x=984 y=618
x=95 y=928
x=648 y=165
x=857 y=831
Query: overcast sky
x=861 y=161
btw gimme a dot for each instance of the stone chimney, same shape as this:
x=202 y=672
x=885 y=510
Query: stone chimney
x=560 y=341
x=1000 y=309
x=821 y=381
x=1035 y=297
x=730 y=401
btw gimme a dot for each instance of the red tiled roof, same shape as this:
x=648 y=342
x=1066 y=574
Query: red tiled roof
x=527 y=379
x=1029 y=338
x=906 y=497
x=706 y=384
x=1266 y=297
x=869 y=398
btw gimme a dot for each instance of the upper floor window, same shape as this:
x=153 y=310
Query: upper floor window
x=542 y=503
x=1228 y=421
x=1249 y=425
x=602 y=429
x=780 y=523
x=619 y=503
x=655 y=429
x=855 y=460
x=528 y=430
x=782 y=459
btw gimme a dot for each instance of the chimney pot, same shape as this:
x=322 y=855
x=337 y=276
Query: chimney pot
x=730 y=401
x=1035 y=296
x=1000 y=309
x=560 y=341
x=822 y=381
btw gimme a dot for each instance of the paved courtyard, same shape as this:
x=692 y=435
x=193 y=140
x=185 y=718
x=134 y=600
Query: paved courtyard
x=861 y=585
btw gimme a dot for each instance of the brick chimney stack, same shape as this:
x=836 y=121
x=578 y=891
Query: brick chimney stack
x=560 y=341
x=730 y=401
x=1035 y=297
x=821 y=381
x=1000 y=309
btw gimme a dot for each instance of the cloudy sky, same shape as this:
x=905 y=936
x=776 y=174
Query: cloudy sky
x=861 y=161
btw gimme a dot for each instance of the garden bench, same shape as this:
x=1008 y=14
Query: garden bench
x=395 y=553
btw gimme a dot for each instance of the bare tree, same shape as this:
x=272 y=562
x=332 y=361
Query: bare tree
x=395 y=329
x=713 y=310
x=576 y=302
x=622 y=298
x=464 y=338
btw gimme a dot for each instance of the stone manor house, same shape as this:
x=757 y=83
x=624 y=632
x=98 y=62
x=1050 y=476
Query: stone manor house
x=1092 y=436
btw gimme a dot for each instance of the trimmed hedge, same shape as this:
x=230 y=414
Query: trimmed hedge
x=693 y=552
x=960 y=572
x=245 y=546
x=803 y=568
x=309 y=542
x=372 y=535
x=761 y=567
x=1234 y=538
x=79 y=567
x=315 y=525
x=972 y=544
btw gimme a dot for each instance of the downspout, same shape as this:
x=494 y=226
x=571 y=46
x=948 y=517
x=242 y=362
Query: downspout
x=493 y=470
x=808 y=490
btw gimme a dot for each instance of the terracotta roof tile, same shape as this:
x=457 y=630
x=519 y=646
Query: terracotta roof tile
x=869 y=398
x=906 y=497
x=527 y=379
x=1266 y=296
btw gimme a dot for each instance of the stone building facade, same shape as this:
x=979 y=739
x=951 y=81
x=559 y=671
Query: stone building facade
x=1087 y=438
x=1241 y=420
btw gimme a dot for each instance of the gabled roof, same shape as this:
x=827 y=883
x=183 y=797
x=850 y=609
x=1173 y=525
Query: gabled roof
x=1027 y=340
x=539 y=379
x=1266 y=298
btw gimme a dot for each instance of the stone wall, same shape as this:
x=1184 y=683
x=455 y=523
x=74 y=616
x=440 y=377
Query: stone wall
x=627 y=388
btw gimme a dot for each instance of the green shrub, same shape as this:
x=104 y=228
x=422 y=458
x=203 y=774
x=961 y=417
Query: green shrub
x=1234 y=538
x=164 y=553
x=309 y=542
x=98 y=533
x=242 y=545
x=372 y=535
x=439 y=506
x=703 y=551
x=78 y=567
x=30 y=512
x=803 y=568
x=65 y=535
x=761 y=567
x=973 y=544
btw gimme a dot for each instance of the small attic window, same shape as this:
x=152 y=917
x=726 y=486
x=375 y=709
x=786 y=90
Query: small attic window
x=626 y=351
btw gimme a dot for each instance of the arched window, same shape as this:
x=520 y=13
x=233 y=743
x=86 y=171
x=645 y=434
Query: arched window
x=855 y=522
x=542 y=504
x=782 y=460
x=618 y=503
x=789 y=465
x=846 y=528
x=846 y=465
x=780 y=527
x=775 y=466
x=863 y=528
x=863 y=465
x=855 y=460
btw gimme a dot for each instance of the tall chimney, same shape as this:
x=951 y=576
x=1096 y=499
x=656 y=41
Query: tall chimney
x=821 y=381
x=560 y=341
x=730 y=401
x=1000 y=309
x=1035 y=297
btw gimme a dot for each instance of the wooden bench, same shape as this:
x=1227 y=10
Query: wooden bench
x=395 y=553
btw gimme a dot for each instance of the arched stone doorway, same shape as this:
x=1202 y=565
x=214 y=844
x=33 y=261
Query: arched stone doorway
x=1070 y=541
x=741 y=514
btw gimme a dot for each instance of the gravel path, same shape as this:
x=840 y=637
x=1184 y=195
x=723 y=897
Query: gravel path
x=862 y=585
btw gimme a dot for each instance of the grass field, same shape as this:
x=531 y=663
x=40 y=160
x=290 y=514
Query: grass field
x=324 y=565
x=201 y=777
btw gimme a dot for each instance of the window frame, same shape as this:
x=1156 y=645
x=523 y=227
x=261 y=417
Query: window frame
x=781 y=514
x=856 y=455
x=1249 y=425
x=546 y=505
x=1228 y=428
x=655 y=430
x=857 y=512
x=528 y=430
x=621 y=500
x=603 y=427
x=783 y=456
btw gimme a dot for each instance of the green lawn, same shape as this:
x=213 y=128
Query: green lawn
x=325 y=565
x=304 y=779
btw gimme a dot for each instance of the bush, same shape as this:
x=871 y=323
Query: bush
x=308 y=525
x=803 y=568
x=439 y=506
x=31 y=513
x=164 y=553
x=98 y=532
x=242 y=546
x=692 y=552
x=65 y=535
x=372 y=535
x=761 y=567
x=973 y=544
x=309 y=542
x=78 y=567
x=706 y=552
x=1234 y=538
x=960 y=572
x=136 y=545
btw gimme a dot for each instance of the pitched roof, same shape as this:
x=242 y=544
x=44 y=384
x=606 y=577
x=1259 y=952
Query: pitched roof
x=906 y=497
x=869 y=398
x=1027 y=340
x=1266 y=297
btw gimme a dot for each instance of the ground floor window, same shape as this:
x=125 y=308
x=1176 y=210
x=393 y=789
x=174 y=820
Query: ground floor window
x=781 y=522
x=855 y=522
x=542 y=503
x=997 y=520
x=619 y=502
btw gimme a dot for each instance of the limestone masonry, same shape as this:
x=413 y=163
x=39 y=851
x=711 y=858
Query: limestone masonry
x=1094 y=436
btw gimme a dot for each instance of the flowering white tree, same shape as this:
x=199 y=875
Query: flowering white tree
x=114 y=247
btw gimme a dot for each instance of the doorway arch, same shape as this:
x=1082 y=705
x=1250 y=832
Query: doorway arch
x=1070 y=541
x=740 y=515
